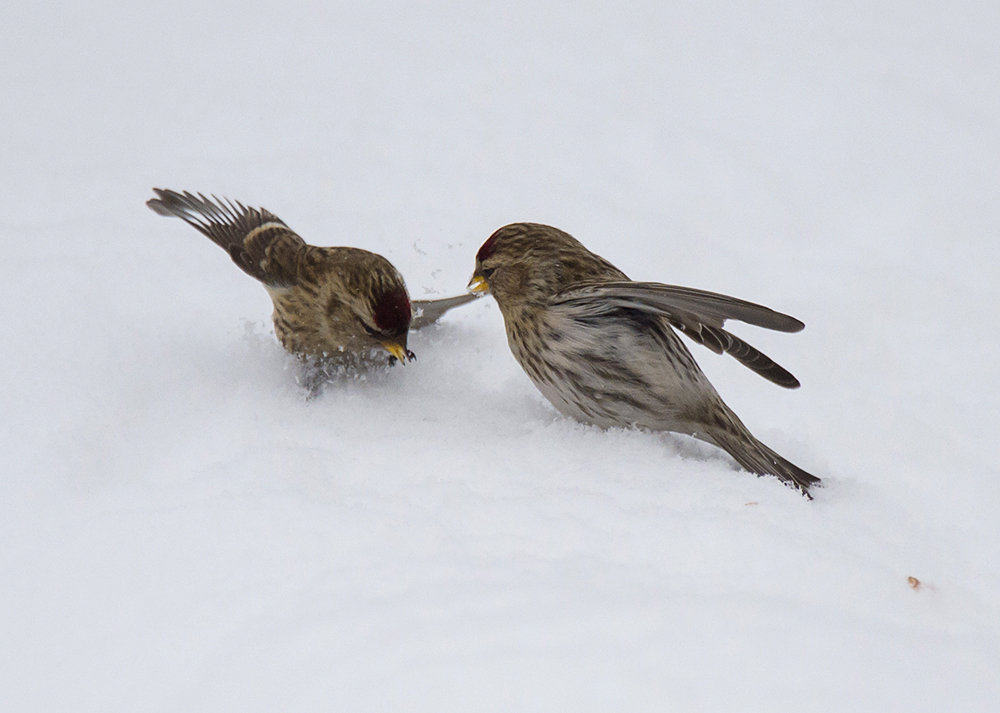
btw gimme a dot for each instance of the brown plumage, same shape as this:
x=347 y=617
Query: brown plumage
x=602 y=348
x=335 y=307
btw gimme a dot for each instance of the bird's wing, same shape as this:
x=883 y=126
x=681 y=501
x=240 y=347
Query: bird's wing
x=429 y=311
x=698 y=314
x=258 y=241
x=709 y=307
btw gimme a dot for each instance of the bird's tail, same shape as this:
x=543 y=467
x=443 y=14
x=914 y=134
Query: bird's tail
x=757 y=458
x=430 y=311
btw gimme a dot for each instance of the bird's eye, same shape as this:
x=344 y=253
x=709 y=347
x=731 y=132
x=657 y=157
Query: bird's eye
x=487 y=272
x=371 y=332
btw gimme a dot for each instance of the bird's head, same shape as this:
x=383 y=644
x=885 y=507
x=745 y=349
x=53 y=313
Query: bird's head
x=528 y=263
x=388 y=321
x=370 y=303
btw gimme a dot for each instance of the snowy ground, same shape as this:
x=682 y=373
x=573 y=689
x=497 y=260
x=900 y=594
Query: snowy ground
x=181 y=531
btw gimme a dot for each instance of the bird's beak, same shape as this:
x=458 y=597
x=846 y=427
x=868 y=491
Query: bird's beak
x=478 y=285
x=397 y=351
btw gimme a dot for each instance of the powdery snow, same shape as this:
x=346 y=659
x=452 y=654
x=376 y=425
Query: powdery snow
x=180 y=530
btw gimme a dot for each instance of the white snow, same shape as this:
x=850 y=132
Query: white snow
x=181 y=531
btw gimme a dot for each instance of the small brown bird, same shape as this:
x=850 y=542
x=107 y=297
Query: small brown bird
x=335 y=307
x=601 y=348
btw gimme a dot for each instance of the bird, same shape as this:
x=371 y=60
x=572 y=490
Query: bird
x=335 y=308
x=603 y=349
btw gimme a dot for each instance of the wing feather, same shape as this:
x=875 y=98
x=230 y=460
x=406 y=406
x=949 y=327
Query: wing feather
x=709 y=307
x=429 y=311
x=697 y=314
x=258 y=241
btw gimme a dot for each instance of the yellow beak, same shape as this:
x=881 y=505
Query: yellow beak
x=478 y=285
x=396 y=350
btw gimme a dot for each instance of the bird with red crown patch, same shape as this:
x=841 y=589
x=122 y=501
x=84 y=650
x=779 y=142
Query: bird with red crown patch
x=603 y=350
x=337 y=308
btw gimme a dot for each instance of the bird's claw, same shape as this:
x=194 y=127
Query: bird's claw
x=410 y=356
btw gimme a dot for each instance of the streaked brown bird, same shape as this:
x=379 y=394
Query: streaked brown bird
x=336 y=308
x=602 y=348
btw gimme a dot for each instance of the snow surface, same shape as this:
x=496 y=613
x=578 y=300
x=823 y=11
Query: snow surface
x=181 y=531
